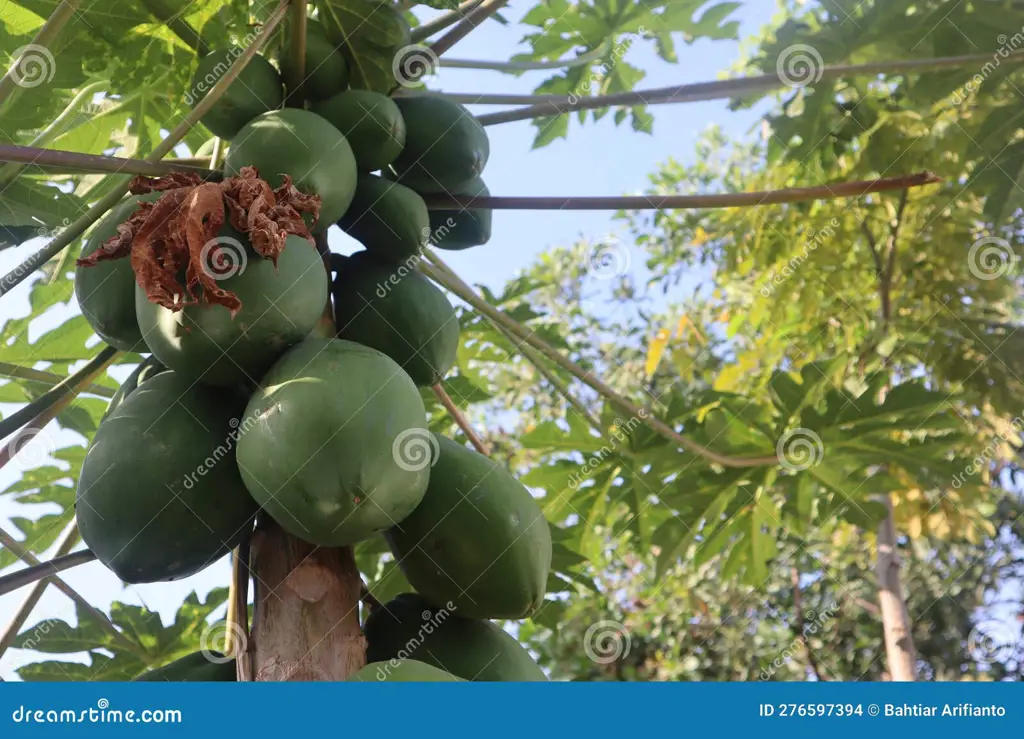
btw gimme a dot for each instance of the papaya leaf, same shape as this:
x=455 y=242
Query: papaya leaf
x=370 y=33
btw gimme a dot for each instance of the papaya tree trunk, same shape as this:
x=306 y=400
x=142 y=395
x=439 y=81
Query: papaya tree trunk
x=899 y=640
x=306 y=614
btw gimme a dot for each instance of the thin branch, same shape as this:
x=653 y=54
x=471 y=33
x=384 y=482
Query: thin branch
x=512 y=67
x=64 y=546
x=177 y=25
x=460 y=420
x=297 y=52
x=890 y=267
x=474 y=18
x=49 y=379
x=724 y=89
x=26 y=556
x=72 y=232
x=799 y=627
x=38 y=573
x=10 y=86
x=447 y=279
x=876 y=256
x=73 y=161
x=682 y=202
x=422 y=32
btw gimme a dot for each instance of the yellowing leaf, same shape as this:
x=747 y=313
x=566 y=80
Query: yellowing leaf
x=654 y=351
x=699 y=236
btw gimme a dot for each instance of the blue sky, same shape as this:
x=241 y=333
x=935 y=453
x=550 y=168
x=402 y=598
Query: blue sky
x=597 y=159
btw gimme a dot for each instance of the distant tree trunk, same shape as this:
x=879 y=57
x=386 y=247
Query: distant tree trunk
x=899 y=641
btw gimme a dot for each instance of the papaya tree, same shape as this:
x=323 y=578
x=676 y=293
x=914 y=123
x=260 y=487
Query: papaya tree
x=309 y=414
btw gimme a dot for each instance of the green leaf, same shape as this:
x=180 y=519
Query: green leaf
x=370 y=34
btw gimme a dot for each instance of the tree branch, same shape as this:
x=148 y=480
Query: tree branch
x=42 y=377
x=177 y=25
x=297 y=51
x=473 y=18
x=9 y=85
x=38 y=573
x=512 y=67
x=889 y=274
x=422 y=32
x=71 y=162
x=460 y=420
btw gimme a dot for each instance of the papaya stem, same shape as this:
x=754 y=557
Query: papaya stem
x=513 y=67
x=64 y=546
x=218 y=150
x=297 y=51
x=10 y=86
x=719 y=89
x=830 y=191
x=9 y=542
x=460 y=420
x=472 y=19
x=76 y=229
x=239 y=595
x=447 y=279
x=49 y=379
x=73 y=161
x=425 y=30
x=71 y=386
x=38 y=573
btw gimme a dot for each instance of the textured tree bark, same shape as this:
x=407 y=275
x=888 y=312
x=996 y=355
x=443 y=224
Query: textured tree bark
x=899 y=640
x=306 y=619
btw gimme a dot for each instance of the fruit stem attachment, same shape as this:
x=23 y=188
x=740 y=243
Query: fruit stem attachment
x=447 y=279
x=472 y=19
x=76 y=229
x=49 y=379
x=424 y=31
x=297 y=51
x=10 y=86
x=73 y=162
x=719 y=89
x=63 y=391
x=461 y=421
x=833 y=190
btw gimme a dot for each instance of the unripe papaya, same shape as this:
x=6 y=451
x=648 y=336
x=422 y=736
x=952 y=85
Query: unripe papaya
x=330 y=442
x=402 y=671
x=303 y=145
x=147 y=368
x=372 y=124
x=326 y=72
x=159 y=495
x=399 y=313
x=280 y=306
x=106 y=291
x=389 y=219
x=256 y=90
x=409 y=627
x=462 y=228
x=445 y=146
x=193 y=668
x=477 y=540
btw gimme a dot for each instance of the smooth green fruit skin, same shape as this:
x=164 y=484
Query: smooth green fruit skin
x=106 y=291
x=320 y=448
x=280 y=306
x=159 y=496
x=326 y=71
x=146 y=369
x=306 y=147
x=256 y=90
x=461 y=229
x=371 y=122
x=193 y=668
x=445 y=146
x=478 y=539
x=402 y=671
x=409 y=627
x=399 y=312
x=389 y=219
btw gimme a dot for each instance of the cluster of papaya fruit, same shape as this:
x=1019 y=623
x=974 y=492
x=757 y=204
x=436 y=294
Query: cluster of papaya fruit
x=246 y=407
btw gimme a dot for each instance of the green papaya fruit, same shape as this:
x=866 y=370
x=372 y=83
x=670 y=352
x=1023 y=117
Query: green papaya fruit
x=159 y=495
x=372 y=124
x=303 y=145
x=256 y=90
x=462 y=228
x=478 y=539
x=399 y=312
x=106 y=291
x=445 y=146
x=410 y=627
x=402 y=671
x=147 y=368
x=378 y=25
x=206 y=150
x=389 y=219
x=326 y=71
x=280 y=306
x=330 y=442
x=193 y=668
